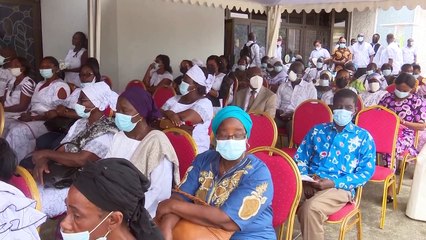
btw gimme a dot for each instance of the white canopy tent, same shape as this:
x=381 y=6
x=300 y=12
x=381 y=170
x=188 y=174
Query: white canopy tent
x=274 y=9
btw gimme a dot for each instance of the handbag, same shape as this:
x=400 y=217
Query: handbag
x=59 y=176
x=185 y=229
x=59 y=124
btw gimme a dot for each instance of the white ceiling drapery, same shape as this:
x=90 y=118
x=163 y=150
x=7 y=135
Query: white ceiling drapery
x=307 y=5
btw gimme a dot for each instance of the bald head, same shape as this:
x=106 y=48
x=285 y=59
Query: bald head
x=254 y=71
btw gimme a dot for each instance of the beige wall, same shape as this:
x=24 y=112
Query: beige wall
x=60 y=19
x=109 y=45
x=151 y=27
x=363 y=22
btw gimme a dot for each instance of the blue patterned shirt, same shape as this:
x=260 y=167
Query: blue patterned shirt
x=347 y=158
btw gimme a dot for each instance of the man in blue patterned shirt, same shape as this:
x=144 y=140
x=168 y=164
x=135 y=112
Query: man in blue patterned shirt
x=341 y=156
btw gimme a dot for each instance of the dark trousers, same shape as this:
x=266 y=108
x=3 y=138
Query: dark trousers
x=359 y=72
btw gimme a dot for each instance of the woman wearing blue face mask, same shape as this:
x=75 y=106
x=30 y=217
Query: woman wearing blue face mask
x=89 y=139
x=148 y=149
x=192 y=111
x=48 y=94
x=106 y=201
x=225 y=178
x=411 y=109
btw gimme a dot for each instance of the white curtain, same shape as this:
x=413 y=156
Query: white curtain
x=274 y=23
x=94 y=13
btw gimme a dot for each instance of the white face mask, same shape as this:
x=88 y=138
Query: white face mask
x=292 y=76
x=256 y=82
x=387 y=72
x=242 y=67
x=318 y=48
x=369 y=72
x=85 y=84
x=319 y=65
x=324 y=82
x=15 y=71
x=278 y=68
x=416 y=76
x=374 y=86
x=86 y=234
x=360 y=39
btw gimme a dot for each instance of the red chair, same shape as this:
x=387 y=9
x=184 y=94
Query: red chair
x=162 y=94
x=184 y=146
x=348 y=216
x=263 y=132
x=308 y=114
x=384 y=136
x=136 y=83
x=25 y=182
x=287 y=187
x=391 y=88
x=107 y=80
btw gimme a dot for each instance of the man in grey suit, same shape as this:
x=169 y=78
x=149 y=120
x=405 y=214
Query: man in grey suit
x=256 y=98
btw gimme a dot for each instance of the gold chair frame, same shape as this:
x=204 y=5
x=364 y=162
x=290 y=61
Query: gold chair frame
x=298 y=195
x=407 y=158
x=29 y=180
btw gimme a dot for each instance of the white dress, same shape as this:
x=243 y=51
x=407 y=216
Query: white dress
x=73 y=60
x=22 y=135
x=18 y=217
x=204 y=108
x=370 y=99
x=53 y=199
x=5 y=77
x=160 y=177
x=416 y=202
x=157 y=78
x=13 y=94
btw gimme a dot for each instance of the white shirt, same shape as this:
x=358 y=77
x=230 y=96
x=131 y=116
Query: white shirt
x=361 y=54
x=408 y=54
x=73 y=60
x=204 y=108
x=321 y=53
x=156 y=78
x=288 y=98
x=161 y=177
x=246 y=103
x=370 y=99
x=13 y=94
x=327 y=97
x=5 y=77
x=392 y=51
x=255 y=54
x=217 y=81
x=278 y=52
x=280 y=77
x=312 y=74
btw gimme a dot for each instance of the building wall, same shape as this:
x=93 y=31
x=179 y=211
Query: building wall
x=60 y=19
x=363 y=22
x=151 y=27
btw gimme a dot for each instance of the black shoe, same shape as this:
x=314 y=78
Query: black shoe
x=389 y=199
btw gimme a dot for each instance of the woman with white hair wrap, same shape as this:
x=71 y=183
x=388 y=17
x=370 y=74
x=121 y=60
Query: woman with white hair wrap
x=192 y=111
x=87 y=140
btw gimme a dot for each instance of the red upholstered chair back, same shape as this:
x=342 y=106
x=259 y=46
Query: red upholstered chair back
x=264 y=131
x=287 y=184
x=162 y=94
x=24 y=181
x=383 y=125
x=184 y=146
x=391 y=88
x=308 y=114
x=136 y=83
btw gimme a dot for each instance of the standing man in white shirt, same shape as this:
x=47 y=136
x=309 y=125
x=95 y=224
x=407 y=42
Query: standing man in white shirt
x=278 y=52
x=319 y=52
x=254 y=50
x=392 y=54
x=363 y=54
x=409 y=52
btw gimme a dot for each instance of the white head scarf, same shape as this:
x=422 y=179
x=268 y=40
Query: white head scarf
x=101 y=95
x=198 y=62
x=198 y=76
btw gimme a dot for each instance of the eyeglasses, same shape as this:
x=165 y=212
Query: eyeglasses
x=85 y=74
x=238 y=136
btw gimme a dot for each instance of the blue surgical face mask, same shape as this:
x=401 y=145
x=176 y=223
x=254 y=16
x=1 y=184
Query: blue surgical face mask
x=319 y=65
x=80 y=110
x=342 y=117
x=231 y=149
x=401 y=95
x=86 y=234
x=387 y=72
x=184 y=88
x=124 y=122
x=46 y=73
x=264 y=65
x=270 y=69
x=342 y=45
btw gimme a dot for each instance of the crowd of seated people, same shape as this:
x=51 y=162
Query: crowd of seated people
x=96 y=123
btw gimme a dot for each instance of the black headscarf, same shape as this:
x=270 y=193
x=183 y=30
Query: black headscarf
x=115 y=184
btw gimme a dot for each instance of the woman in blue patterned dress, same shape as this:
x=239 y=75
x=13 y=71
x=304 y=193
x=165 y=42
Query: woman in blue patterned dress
x=236 y=186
